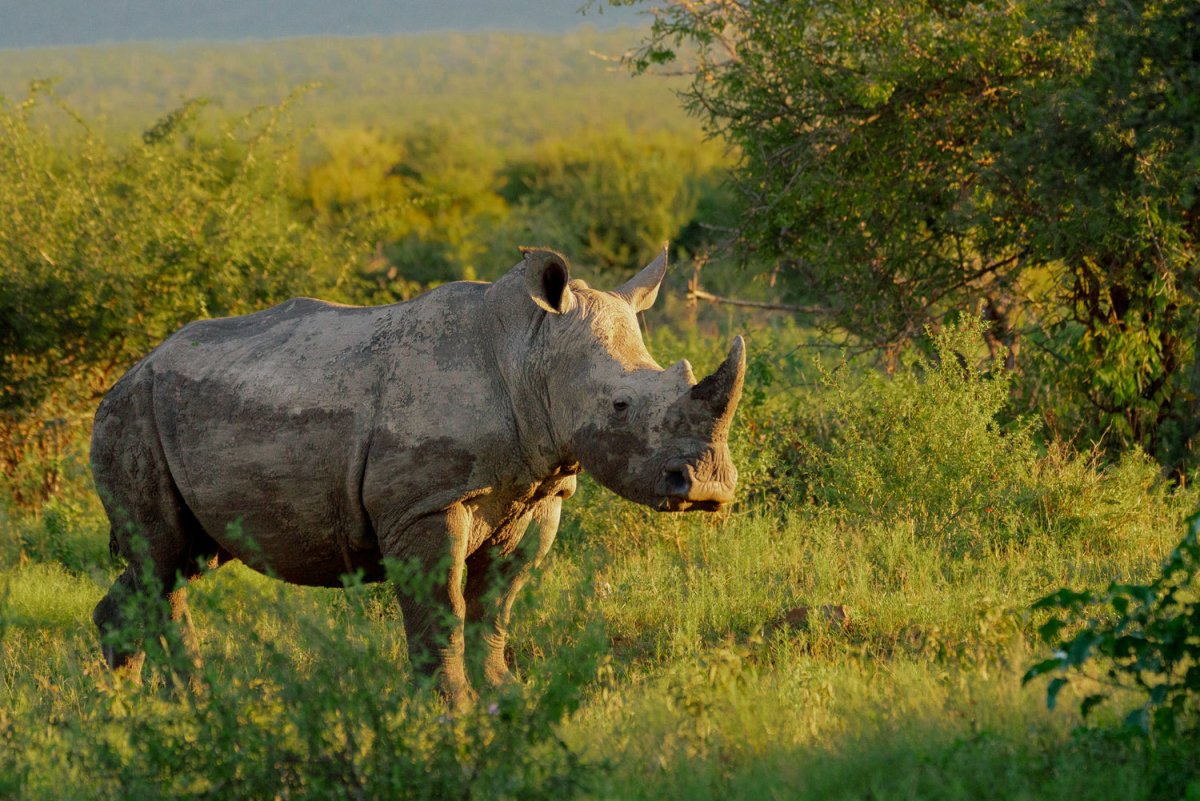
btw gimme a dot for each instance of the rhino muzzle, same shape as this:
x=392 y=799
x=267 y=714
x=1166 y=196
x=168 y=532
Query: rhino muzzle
x=684 y=486
x=705 y=480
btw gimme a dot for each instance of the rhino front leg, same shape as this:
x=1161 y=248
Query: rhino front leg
x=495 y=579
x=431 y=599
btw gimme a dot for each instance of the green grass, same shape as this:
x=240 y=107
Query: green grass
x=662 y=636
x=919 y=697
x=47 y=597
x=812 y=728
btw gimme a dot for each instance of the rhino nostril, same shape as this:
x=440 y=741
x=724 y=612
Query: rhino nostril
x=677 y=483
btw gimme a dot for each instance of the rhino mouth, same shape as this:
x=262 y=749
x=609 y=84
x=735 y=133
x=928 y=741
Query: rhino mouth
x=682 y=490
x=685 y=505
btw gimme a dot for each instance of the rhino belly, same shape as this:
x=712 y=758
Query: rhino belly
x=278 y=489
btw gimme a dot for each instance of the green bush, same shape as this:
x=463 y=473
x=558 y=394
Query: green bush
x=934 y=445
x=925 y=444
x=1143 y=638
x=196 y=220
x=105 y=251
x=425 y=200
x=68 y=532
x=609 y=199
x=303 y=695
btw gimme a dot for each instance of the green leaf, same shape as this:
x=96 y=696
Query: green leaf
x=1049 y=630
x=1090 y=702
x=1041 y=668
x=1138 y=720
x=1052 y=690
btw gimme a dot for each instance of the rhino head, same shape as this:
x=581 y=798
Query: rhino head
x=654 y=436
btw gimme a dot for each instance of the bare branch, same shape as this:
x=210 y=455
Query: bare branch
x=700 y=294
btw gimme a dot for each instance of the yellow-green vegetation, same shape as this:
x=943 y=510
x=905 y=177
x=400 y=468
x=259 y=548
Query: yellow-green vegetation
x=858 y=625
x=1035 y=159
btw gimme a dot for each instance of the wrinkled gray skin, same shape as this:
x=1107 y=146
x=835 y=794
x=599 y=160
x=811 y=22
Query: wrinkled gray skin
x=433 y=431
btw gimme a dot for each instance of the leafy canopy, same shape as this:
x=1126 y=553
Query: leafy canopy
x=901 y=161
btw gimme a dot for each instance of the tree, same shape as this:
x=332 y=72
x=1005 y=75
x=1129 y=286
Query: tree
x=425 y=198
x=902 y=161
x=1106 y=167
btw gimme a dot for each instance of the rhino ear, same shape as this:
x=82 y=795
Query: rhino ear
x=547 y=276
x=642 y=290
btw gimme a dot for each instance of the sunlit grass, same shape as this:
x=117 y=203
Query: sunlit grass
x=47 y=598
x=698 y=690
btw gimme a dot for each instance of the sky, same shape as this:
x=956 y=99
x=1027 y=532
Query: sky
x=40 y=23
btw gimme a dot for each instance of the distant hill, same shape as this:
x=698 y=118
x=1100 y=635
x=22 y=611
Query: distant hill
x=512 y=87
x=40 y=23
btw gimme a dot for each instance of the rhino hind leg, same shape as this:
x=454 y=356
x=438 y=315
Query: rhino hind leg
x=152 y=585
x=122 y=651
x=163 y=546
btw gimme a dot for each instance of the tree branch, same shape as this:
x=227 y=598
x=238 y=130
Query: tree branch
x=700 y=294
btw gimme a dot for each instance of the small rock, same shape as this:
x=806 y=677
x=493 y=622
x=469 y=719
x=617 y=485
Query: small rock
x=835 y=616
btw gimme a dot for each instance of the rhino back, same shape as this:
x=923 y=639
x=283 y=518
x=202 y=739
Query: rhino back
x=270 y=421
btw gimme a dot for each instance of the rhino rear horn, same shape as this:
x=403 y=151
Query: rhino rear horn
x=721 y=391
x=641 y=291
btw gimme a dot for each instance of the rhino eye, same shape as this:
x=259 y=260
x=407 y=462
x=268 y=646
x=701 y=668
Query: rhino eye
x=620 y=405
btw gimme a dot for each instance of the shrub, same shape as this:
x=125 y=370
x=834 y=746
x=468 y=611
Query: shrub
x=608 y=200
x=105 y=251
x=1139 y=637
x=934 y=445
x=427 y=201
x=198 y=221
x=302 y=694
x=926 y=444
x=67 y=532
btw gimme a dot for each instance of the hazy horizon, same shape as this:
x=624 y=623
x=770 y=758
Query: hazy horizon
x=65 y=23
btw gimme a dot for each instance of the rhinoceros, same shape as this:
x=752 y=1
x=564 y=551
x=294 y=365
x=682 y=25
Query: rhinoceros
x=432 y=431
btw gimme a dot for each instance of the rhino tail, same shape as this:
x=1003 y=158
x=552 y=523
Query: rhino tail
x=114 y=549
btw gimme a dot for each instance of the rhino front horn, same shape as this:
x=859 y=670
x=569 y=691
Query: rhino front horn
x=722 y=390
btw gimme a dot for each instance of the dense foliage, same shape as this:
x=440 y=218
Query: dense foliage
x=105 y=251
x=200 y=224
x=1034 y=160
x=1141 y=637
